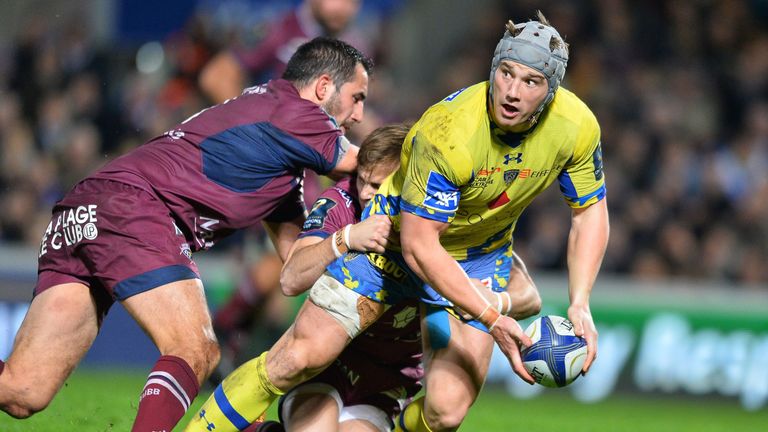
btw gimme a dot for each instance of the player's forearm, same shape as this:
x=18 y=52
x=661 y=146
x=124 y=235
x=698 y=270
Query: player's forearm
x=587 y=242
x=283 y=235
x=305 y=267
x=436 y=267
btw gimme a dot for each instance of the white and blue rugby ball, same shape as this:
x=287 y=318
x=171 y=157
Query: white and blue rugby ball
x=557 y=355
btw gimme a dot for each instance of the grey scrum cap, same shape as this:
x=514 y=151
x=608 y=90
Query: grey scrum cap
x=538 y=45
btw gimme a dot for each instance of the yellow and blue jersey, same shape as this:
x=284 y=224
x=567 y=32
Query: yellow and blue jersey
x=458 y=167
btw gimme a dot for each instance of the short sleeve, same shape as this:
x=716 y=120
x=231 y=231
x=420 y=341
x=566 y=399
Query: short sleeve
x=331 y=212
x=434 y=177
x=582 y=181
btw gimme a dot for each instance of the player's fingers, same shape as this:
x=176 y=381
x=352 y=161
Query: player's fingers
x=591 y=353
x=517 y=365
x=525 y=340
x=519 y=335
x=578 y=327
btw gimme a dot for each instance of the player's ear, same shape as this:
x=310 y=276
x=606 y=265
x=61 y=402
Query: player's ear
x=324 y=88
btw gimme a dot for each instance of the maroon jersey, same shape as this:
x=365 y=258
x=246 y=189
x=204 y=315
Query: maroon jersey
x=232 y=165
x=386 y=358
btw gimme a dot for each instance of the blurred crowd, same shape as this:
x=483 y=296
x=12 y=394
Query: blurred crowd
x=680 y=90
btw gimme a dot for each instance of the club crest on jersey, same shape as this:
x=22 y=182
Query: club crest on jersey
x=442 y=195
x=511 y=175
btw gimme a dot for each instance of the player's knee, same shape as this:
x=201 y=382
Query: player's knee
x=526 y=302
x=446 y=421
x=446 y=416
x=212 y=356
x=535 y=302
x=292 y=366
x=207 y=356
x=202 y=355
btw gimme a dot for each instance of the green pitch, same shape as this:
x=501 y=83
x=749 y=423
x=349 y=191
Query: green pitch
x=106 y=401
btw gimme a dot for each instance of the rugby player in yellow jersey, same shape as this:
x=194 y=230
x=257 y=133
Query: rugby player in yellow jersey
x=468 y=169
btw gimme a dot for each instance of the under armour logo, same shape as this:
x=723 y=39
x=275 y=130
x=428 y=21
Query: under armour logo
x=517 y=158
x=209 y=426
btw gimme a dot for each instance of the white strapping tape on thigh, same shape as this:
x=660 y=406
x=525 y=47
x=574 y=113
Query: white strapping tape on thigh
x=339 y=301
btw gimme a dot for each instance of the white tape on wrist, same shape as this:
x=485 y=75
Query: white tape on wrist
x=494 y=324
x=508 y=309
x=346 y=236
x=333 y=245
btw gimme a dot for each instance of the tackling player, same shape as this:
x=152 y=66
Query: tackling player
x=364 y=388
x=128 y=231
x=469 y=167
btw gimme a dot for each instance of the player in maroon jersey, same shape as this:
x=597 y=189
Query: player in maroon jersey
x=223 y=78
x=365 y=386
x=128 y=231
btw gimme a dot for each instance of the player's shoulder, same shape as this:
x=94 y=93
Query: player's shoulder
x=571 y=109
x=453 y=121
x=342 y=192
x=296 y=114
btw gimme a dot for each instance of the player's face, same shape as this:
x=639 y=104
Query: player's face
x=517 y=91
x=347 y=104
x=370 y=178
x=334 y=15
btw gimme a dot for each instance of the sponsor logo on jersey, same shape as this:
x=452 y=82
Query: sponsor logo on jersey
x=316 y=218
x=597 y=161
x=175 y=134
x=518 y=158
x=442 y=195
x=387 y=267
x=347 y=197
x=404 y=317
x=258 y=89
x=70 y=227
x=205 y=228
x=352 y=375
x=185 y=250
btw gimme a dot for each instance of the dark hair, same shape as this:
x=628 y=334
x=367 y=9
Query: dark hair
x=324 y=55
x=383 y=145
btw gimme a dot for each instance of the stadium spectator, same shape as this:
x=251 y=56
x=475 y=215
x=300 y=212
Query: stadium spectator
x=469 y=167
x=231 y=70
x=127 y=232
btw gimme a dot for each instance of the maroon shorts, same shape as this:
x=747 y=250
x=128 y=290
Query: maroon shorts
x=117 y=239
x=360 y=380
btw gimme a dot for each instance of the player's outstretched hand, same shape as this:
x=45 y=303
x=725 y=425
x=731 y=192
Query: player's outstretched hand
x=584 y=326
x=510 y=337
x=371 y=234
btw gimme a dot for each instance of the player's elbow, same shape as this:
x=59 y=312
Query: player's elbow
x=289 y=283
x=24 y=408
